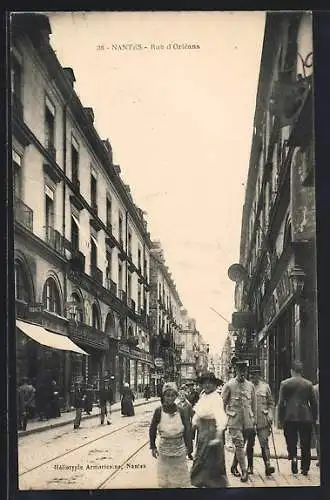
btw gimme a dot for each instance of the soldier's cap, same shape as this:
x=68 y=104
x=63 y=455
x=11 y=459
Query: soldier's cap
x=255 y=369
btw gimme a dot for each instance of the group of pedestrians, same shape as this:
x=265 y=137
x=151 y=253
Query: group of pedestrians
x=40 y=401
x=245 y=409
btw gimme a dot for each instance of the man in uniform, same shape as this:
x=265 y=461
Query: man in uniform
x=239 y=400
x=264 y=416
x=297 y=412
x=106 y=400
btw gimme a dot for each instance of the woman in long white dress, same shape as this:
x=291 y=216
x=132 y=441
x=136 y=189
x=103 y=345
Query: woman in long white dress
x=208 y=469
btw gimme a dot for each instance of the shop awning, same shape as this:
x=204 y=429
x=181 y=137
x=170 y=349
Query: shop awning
x=49 y=339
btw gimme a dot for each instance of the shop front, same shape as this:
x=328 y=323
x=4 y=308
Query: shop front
x=134 y=368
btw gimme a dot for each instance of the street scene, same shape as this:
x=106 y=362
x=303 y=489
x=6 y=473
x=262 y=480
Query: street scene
x=164 y=250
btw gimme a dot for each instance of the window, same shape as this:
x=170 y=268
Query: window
x=93 y=191
x=74 y=161
x=139 y=304
x=120 y=276
x=129 y=286
x=74 y=234
x=51 y=297
x=16 y=79
x=109 y=212
x=50 y=127
x=120 y=229
x=109 y=266
x=93 y=253
x=96 y=317
x=17 y=174
x=21 y=282
x=49 y=210
x=139 y=259
x=130 y=245
x=78 y=308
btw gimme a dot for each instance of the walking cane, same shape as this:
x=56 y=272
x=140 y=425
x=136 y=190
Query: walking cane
x=273 y=439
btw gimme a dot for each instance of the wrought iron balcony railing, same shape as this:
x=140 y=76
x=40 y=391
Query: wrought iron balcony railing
x=23 y=214
x=51 y=150
x=131 y=304
x=111 y=286
x=54 y=239
x=97 y=274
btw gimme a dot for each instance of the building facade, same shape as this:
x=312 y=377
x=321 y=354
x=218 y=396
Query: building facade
x=194 y=350
x=276 y=299
x=165 y=315
x=82 y=248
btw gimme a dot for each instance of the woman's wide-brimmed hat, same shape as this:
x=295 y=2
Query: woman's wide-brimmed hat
x=170 y=386
x=209 y=377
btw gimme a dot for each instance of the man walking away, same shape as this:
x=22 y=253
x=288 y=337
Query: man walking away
x=79 y=403
x=264 y=416
x=239 y=400
x=26 y=402
x=105 y=398
x=317 y=423
x=297 y=411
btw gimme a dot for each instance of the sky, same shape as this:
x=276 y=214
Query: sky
x=180 y=123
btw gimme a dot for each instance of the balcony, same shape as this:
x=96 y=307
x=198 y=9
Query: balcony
x=87 y=335
x=51 y=150
x=55 y=239
x=23 y=214
x=111 y=286
x=17 y=106
x=131 y=304
x=97 y=274
x=123 y=296
x=132 y=341
x=77 y=262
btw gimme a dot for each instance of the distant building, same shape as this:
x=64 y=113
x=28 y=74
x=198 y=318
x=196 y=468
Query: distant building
x=165 y=307
x=194 y=350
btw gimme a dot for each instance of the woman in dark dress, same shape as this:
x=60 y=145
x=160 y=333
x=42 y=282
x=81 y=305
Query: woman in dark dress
x=127 y=398
x=208 y=469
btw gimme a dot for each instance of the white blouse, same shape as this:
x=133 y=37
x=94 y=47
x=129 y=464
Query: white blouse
x=210 y=406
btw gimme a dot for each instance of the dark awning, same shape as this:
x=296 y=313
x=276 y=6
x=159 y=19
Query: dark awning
x=49 y=339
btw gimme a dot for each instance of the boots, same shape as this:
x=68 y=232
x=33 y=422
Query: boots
x=233 y=468
x=269 y=469
x=250 y=462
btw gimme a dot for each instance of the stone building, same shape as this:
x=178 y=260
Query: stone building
x=194 y=350
x=82 y=247
x=165 y=315
x=275 y=296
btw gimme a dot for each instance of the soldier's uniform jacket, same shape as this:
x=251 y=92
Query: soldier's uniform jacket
x=239 y=401
x=265 y=404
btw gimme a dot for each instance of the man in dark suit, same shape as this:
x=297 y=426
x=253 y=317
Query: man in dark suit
x=297 y=412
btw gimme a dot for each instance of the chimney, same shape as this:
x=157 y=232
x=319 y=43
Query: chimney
x=69 y=75
x=117 y=169
x=90 y=113
x=108 y=147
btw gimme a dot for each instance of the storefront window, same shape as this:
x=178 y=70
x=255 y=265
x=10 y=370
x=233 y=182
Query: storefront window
x=21 y=283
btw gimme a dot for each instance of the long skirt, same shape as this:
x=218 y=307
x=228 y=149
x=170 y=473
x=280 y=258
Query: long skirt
x=208 y=469
x=127 y=408
x=172 y=472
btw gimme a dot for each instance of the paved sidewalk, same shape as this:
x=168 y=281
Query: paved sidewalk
x=35 y=426
x=280 y=446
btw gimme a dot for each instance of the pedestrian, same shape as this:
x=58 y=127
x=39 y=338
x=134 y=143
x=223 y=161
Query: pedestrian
x=175 y=443
x=88 y=406
x=147 y=392
x=239 y=400
x=105 y=400
x=297 y=412
x=127 y=399
x=263 y=418
x=54 y=403
x=317 y=423
x=184 y=405
x=26 y=402
x=79 y=403
x=208 y=469
x=193 y=395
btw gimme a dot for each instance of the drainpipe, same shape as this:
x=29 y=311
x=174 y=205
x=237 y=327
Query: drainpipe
x=128 y=375
x=65 y=283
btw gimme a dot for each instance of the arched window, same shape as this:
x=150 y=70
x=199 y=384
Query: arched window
x=96 y=323
x=51 y=297
x=110 y=325
x=78 y=307
x=22 y=289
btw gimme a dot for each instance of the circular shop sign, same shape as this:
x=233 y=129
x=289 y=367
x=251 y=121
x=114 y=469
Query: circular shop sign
x=159 y=362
